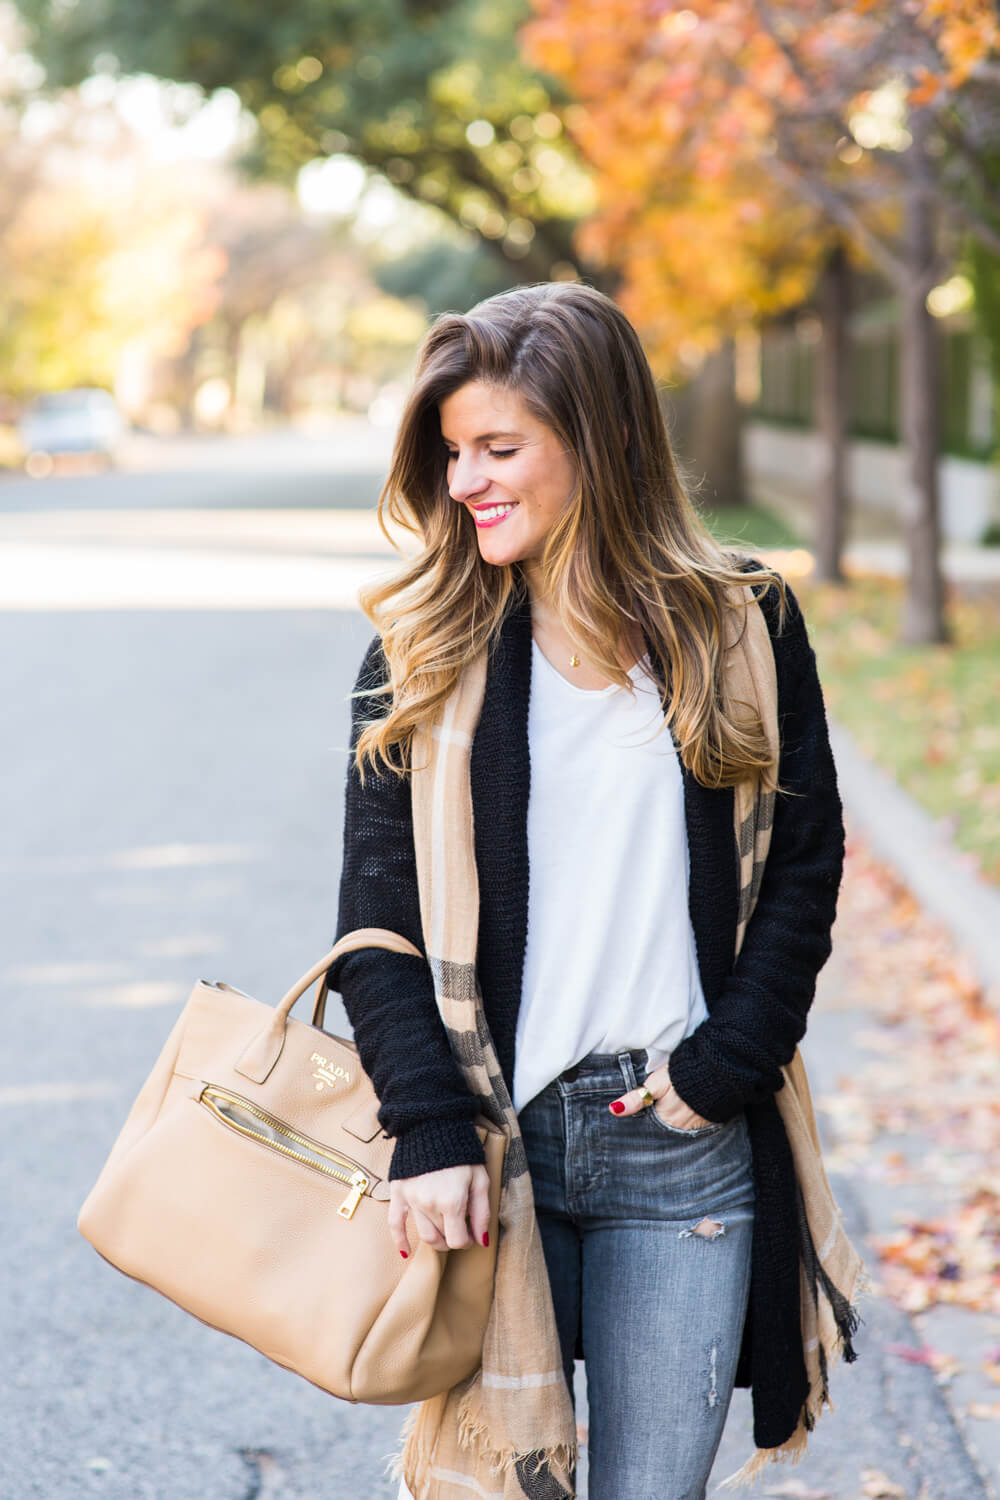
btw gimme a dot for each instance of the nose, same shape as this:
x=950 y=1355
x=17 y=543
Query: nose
x=465 y=482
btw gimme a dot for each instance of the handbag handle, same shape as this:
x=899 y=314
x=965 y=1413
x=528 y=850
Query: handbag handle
x=263 y=1050
x=361 y=937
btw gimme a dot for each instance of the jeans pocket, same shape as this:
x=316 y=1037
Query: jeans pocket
x=695 y=1134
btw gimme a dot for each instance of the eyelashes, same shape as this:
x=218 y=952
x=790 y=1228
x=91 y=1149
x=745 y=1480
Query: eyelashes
x=493 y=452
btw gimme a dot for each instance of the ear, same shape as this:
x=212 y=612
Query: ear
x=625 y=434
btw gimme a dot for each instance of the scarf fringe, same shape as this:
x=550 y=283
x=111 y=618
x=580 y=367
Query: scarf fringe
x=474 y=1433
x=791 y=1452
x=415 y=1451
x=862 y=1291
x=847 y=1319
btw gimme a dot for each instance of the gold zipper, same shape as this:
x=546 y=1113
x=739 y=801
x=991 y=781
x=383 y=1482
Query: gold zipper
x=226 y=1106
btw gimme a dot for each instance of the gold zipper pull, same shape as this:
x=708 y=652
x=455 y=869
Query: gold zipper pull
x=354 y=1197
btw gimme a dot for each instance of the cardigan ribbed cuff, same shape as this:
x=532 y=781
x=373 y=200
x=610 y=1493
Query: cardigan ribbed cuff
x=434 y=1144
x=709 y=1096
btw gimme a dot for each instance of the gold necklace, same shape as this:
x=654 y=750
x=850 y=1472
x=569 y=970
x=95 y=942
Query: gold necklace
x=574 y=660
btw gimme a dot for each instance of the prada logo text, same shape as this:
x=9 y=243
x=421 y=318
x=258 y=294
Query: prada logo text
x=327 y=1072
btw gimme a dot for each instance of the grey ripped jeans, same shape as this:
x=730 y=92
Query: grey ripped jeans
x=646 y=1230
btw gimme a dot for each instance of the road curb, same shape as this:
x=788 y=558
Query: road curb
x=924 y=858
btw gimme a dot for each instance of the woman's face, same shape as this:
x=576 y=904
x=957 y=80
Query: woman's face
x=508 y=469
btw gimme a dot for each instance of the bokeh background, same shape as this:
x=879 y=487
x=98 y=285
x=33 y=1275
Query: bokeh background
x=224 y=230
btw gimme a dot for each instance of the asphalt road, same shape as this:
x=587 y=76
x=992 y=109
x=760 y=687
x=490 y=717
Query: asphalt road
x=178 y=640
x=171 y=804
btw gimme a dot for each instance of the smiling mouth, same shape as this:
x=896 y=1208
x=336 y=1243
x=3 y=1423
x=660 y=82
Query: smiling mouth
x=492 y=515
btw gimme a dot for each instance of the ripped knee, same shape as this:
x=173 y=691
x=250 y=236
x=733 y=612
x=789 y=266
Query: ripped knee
x=708 y=1229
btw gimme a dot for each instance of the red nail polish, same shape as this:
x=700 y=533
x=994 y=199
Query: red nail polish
x=486 y=1236
x=405 y=1254
x=618 y=1107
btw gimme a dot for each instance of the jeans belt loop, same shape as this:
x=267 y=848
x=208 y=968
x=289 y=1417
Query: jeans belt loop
x=627 y=1065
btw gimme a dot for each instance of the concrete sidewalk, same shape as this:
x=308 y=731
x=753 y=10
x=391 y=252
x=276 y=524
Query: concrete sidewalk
x=944 y=880
x=934 y=1447
x=960 y=561
x=948 y=888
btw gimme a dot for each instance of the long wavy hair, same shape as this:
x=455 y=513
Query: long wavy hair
x=628 y=546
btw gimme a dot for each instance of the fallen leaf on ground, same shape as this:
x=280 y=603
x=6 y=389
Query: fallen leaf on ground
x=797 y=1489
x=944 y=1365
x=879 y=1486
x=921 y=1106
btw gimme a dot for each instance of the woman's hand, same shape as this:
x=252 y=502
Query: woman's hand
x=441 y=1203
x=668 y=1105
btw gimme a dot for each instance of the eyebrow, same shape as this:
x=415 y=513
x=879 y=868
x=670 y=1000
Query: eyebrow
x=487 y=437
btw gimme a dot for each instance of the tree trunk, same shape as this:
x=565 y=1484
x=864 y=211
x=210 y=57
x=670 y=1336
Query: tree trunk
x=832 y=411
x=186 y=376
x=711 y=421
x=923 y=612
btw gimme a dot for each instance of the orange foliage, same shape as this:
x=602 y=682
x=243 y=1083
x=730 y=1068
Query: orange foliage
x=680 y=110
x=966 y=32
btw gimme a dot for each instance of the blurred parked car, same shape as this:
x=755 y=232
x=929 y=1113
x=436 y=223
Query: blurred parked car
x=86 y=420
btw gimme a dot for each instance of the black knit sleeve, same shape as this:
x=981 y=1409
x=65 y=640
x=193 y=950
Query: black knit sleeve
x=735 y=1056
x=389 y=997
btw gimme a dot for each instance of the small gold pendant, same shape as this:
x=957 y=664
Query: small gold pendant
x=574 y=661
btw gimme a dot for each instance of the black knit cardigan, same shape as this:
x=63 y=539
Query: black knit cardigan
x=757 y=1008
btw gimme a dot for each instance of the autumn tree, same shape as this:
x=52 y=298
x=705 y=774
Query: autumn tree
x=439 y=100
x=868 y=114
x=432 y=94
x=97 y=246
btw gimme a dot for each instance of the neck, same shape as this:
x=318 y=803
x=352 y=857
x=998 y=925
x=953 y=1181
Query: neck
x=536 y=592
x=547 y=624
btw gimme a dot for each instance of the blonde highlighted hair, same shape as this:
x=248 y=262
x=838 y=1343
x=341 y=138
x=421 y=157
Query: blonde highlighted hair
x=629 y=545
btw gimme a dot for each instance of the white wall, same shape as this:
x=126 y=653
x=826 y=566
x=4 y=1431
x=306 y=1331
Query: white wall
x=792 y=461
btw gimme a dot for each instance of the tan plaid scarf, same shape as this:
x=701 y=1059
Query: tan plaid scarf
x=508 y=1431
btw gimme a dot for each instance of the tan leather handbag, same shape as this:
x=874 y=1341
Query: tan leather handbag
x=248 y=1185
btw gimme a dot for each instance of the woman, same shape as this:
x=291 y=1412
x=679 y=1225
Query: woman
x=642 y=1063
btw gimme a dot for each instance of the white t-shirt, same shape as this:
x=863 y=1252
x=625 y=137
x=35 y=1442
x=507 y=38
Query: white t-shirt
x=610 y=962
